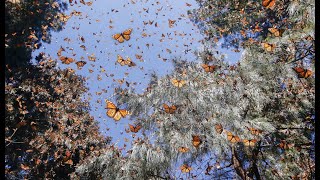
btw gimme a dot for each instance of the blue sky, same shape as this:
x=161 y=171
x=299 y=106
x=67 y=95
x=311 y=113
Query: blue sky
x=94 y=25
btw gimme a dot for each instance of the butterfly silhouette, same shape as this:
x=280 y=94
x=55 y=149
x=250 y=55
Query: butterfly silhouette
x=125 y=35
x=114 y=112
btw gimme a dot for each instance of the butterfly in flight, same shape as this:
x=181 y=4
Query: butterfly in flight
x=249 y=143
x=134 y=129
x=125 y=35
x=169 y=109
x=178 y=83
x=80 y=64
x=302 y=73
x=208 y=68
x=66 y=60
x=196 y=141
x=185 y=168
x=114 y=112
x=124 y=62
x=232 y=138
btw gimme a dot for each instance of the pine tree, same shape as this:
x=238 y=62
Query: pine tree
x=213 y=120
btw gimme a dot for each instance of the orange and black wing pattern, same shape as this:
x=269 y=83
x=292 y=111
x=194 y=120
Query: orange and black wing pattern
x=268 y=3
x=114 y=112
x=183 y=149
x=134 y=129
x=208 y=68
x=232 y=138
x=249 y=142
x=185 y=168
x=169 y=109
x=276 y=32
x=178 y=83
x=302 y=73
x=196 y=141
x=125 y=35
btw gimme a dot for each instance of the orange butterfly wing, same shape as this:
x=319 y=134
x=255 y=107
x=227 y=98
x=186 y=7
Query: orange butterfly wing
x=134 y=129
x=232 y=138
x=302 y=73
x=126 y=34
x=183 y=149
x=208 y=68
x=118 y=37
x=172 y=109
x=111 y=112
x=268 y=3
x=110 y=105
x=166 y=108
x=196 y=141
x=185 y=168
x=121 y=61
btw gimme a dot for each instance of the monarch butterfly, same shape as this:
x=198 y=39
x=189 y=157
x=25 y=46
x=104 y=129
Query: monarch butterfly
x=114 y=112
x=92 y=58
x=302 y=73
x=255 y=131
x=66 y=60
x=208 y=68
x=196 y=141
x=250 y=142
x=168 y=109
x=218 y=128
x=276 y=32
x=185 y=168
x=171 y=23
x=125 y=35
x=183 y=149
x=268 y=3
x=134 y=129
x=284 y=145
x=121 y=61
x=268 y=47
x=80 y=64
x=232 y=138
x=130 y=63
x=178 y=83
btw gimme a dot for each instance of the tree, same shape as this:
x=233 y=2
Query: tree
x=213 y=120
x=48 y=127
